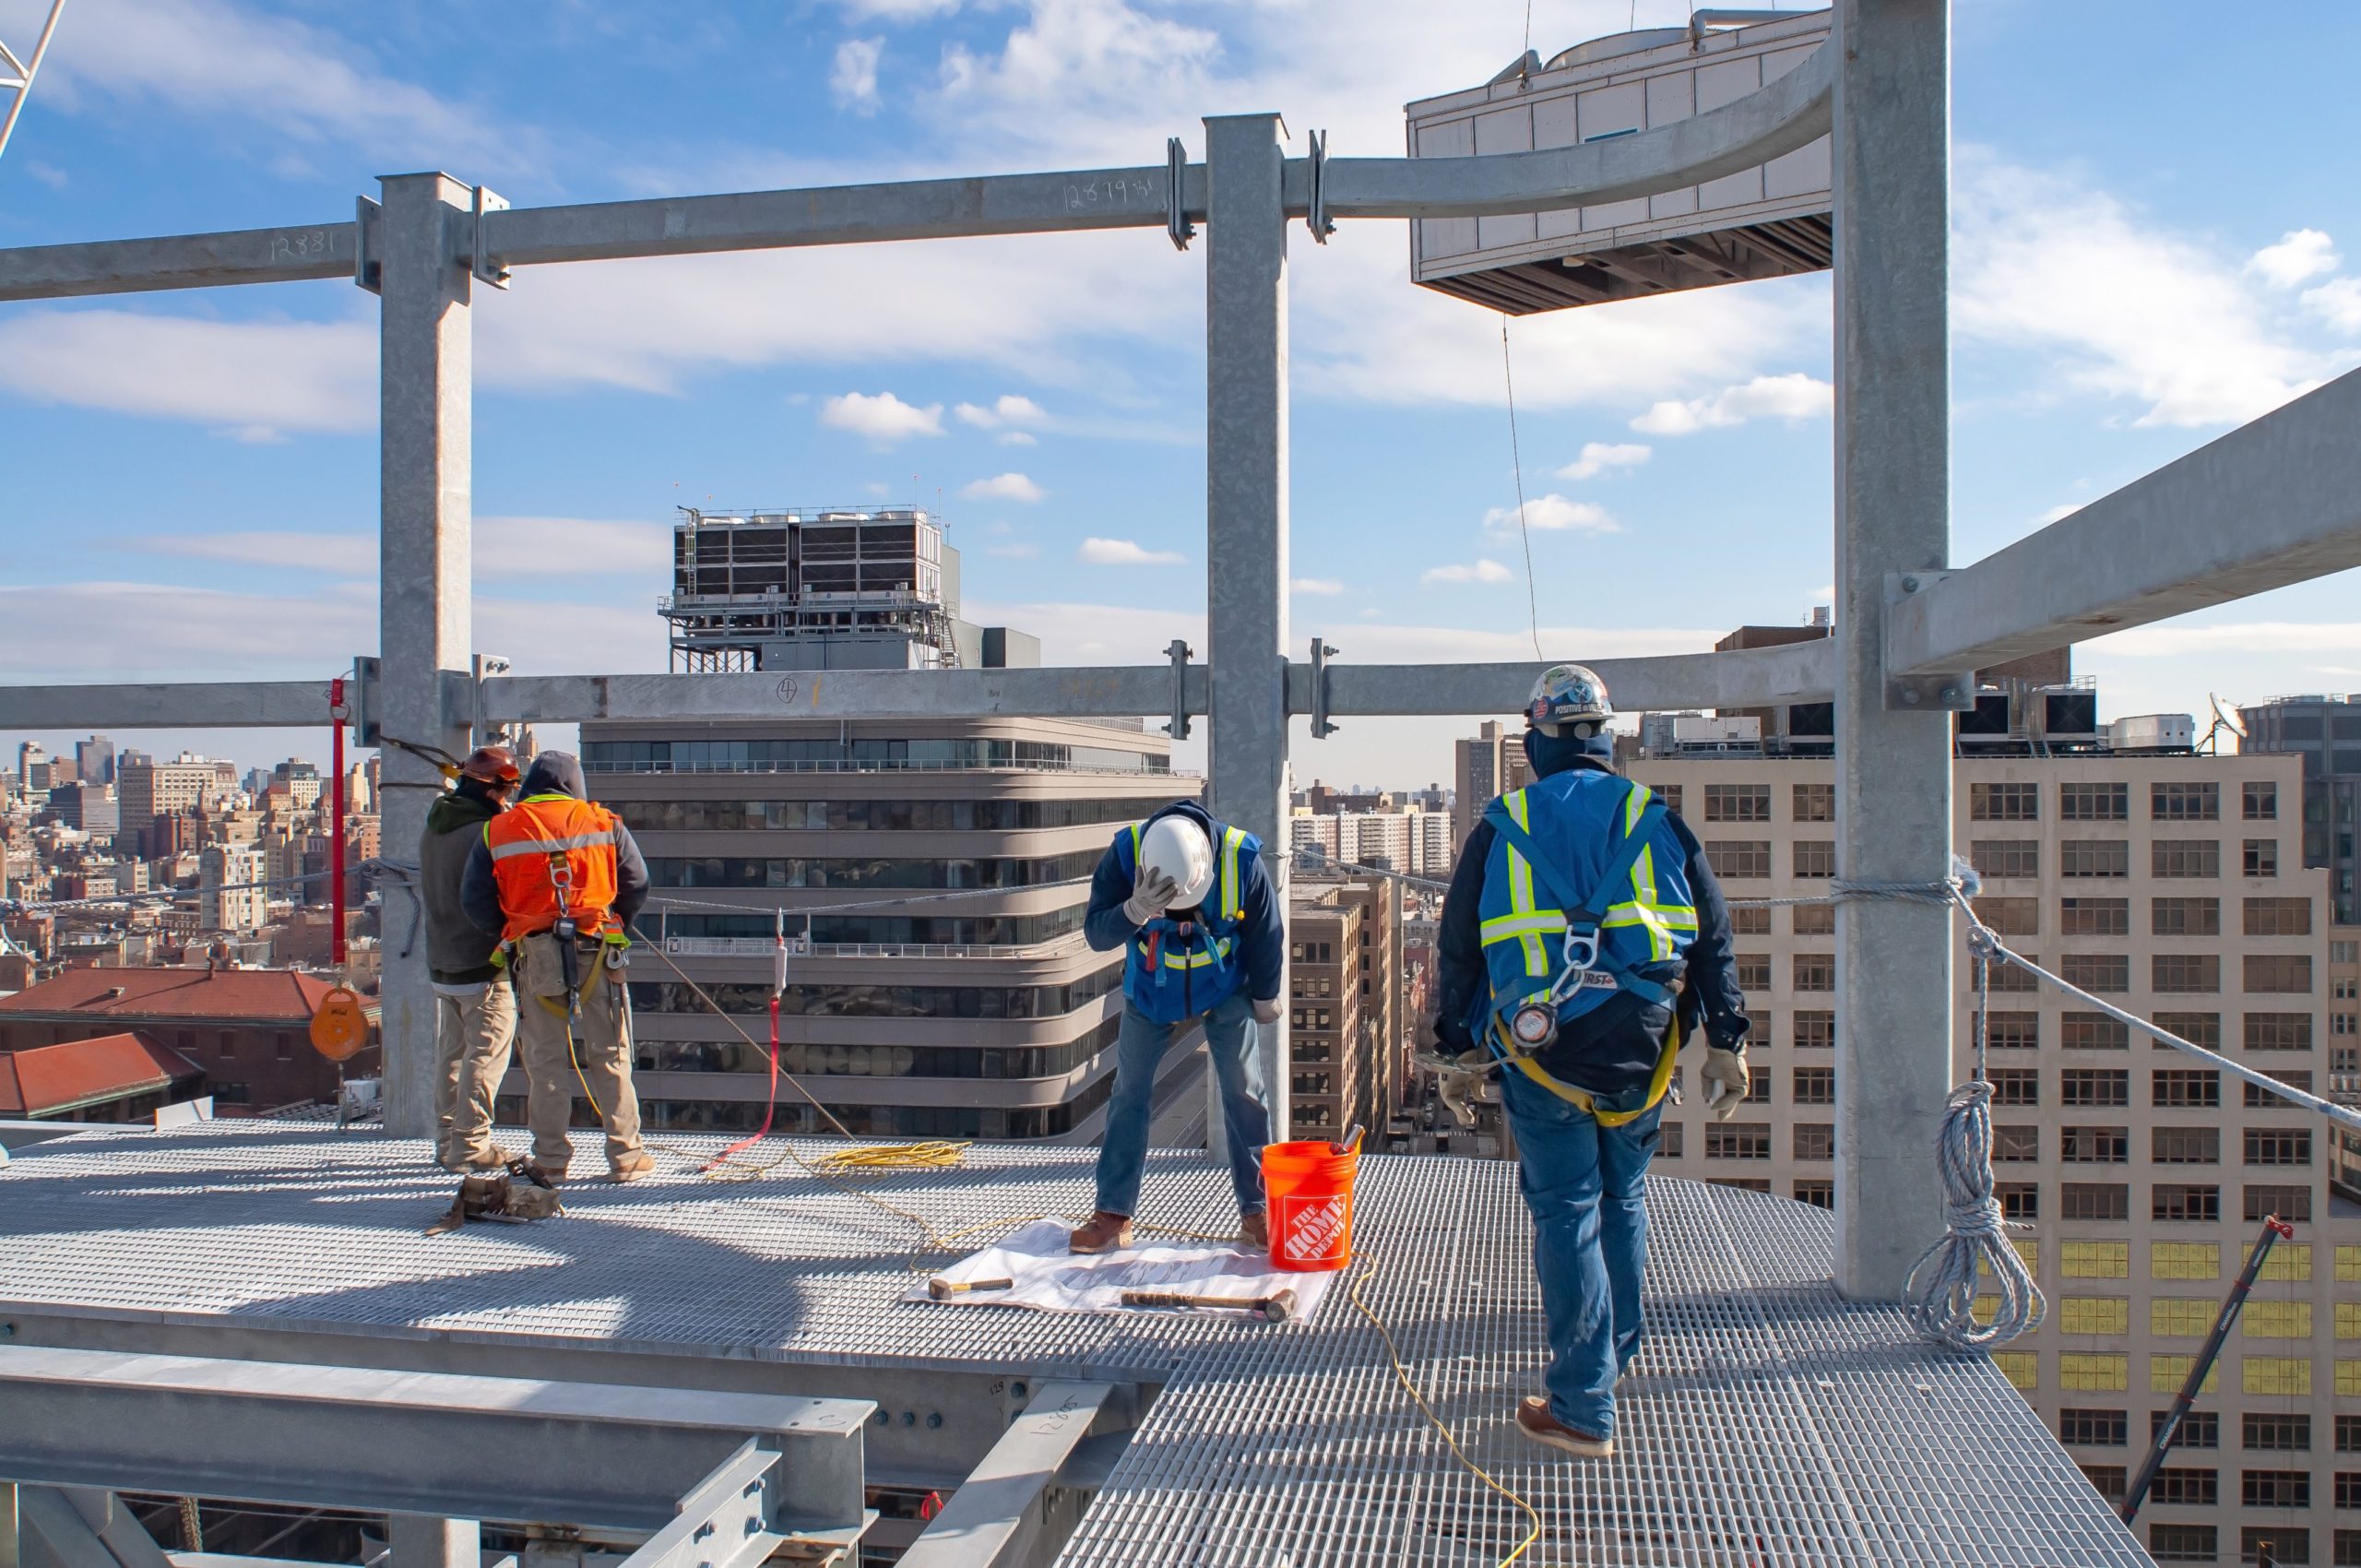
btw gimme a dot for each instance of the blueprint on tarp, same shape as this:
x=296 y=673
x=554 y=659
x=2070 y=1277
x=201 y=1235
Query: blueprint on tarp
x=1045 y=1276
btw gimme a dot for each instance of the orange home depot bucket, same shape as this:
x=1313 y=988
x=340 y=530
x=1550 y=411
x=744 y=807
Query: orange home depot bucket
x=1309 y=1187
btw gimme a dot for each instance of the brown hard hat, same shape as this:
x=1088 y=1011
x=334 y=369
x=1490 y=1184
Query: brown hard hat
x=491 y=764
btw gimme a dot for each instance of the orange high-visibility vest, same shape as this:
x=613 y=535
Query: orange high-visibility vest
x=541 y=839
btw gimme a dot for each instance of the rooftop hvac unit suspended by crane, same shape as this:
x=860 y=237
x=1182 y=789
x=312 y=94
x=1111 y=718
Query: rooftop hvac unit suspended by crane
x=1769 y=221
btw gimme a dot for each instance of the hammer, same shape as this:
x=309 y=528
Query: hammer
x=943 y=1289
x=1275 y=1308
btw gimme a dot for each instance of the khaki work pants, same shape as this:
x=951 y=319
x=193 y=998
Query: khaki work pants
x=474 y=1029
x=598 y=1058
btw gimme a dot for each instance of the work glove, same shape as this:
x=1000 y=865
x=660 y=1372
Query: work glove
x=1458 y=1089
x=1725 y=1079
x=1267 y=1011
x=1152 y=893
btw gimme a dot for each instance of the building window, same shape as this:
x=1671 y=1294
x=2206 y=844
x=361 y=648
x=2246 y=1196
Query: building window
x=2284 y=973
x=2184 y=857
x=2093 y=1429
x=1815 y=858
x=2169 y=1374
x=2258 y=1097
x=1669 y=793
x=2344 y=952
x=2093 y=1032
x=2095 y=1086
x=2185 y=1201
x=2261 y=857
x=2095 y=1200
x=2185 y=1088
x=2022 y=1368
x=2098 y=1370
x=2094 y=1260
x=2012 y=1031
x=2018 y=1200
x=2092 y=917
x=1735 y=860
x=2004 y=803
x=1737 y=802
x=2277 y=1431
x=1737 y=1140
x=2198 y=1429
x=2094 y=802
x=1815 y=1140
x=2094 y=1314
x=2183 y=1486
x=2276 y=1489
x=1816 y=1191
x=2181 y=1317
x=2185 y=803
x=2013 y=1144
x=1815 y=920
x=2095 y=1145
x=1753 y=921
x=2260 y=799
x=2107 y=1479
x=2007 y=857
x=1753 y=971
x=2185 y=1146
x=2015 y=1086
x=2197 y=1028
x=1815 y=1085
x=1669 y=1140
x=1815 y=971
x=2010 y=917
x=2185 y=917
x=2094 y=857
x=2185 y=973
x=1815 y=1031
x=1815 y=802
x=2279 y=1146
x=1758 y=1087
x=2279 y=917
x=2101 y=972
x=2180 y=1543
x=2286 y=1203
x=2279 y=1032
x=2008 y=977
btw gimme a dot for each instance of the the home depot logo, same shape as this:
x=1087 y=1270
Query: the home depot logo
x=1312 y=1228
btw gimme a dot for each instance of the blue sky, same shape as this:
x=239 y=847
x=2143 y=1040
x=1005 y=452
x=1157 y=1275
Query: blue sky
x=2152 y=212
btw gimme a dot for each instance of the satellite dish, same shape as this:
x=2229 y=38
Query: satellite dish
x=2225 y=721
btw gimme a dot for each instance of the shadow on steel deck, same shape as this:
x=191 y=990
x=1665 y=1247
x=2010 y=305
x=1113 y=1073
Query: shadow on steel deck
x=1769 y=1422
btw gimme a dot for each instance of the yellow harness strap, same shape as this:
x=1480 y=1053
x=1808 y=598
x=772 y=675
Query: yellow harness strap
x=1658 y=1084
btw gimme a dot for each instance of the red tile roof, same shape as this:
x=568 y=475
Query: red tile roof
x=176 y=993
x=45 y=1079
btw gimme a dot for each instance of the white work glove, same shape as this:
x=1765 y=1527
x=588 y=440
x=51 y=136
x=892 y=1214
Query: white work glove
x=1152 y=893
x=1458 y=1089
x=1267 y=1011
x=1725 y=1079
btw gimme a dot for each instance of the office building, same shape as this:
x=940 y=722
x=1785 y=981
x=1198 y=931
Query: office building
x=2326 y=732
x=1489 y=765
x=228 y=896
x=92 y=808
x=146 y=790
x=94 y=760
x=1345 y=990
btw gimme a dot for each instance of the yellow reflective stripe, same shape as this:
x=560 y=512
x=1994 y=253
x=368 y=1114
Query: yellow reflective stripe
x=1537 y=961
x=551 y=846
x=1503 y=928
x=1230 y=907
x=1197 y=960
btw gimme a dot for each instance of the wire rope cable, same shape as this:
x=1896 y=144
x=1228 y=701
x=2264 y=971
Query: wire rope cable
x=1516 y=459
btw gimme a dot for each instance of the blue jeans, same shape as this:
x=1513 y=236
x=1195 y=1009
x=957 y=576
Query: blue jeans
x=1230 y=1038
x=1589 y=1245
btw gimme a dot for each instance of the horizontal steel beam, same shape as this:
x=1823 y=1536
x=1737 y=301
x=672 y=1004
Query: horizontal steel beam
x=1117 y=691
x=207 y=705
x=600 y=1455
x=2272 y=502
x=1791 y=113
x=1761 y=677
x=178 y=261
x=1002 y=1515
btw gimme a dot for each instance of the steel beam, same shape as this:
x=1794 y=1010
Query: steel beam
x=425 y=444
x=1246 y=520
x=999 y=1517
x=1893 y=964
x=602 y=1457
x=2194 y=533
x=1762 y=677
x=1117 y=691
x=178 y=261
x=194 y=704
x=423 y=1540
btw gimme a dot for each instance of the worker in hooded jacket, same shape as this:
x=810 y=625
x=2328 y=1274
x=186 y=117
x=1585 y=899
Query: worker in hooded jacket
x=1583 y=939
x=475 y=1007
x=1189 y=901
x=559 y=879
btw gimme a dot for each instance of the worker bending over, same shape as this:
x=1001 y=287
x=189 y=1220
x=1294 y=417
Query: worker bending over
x=559 y=878
x=1189 y=901
x=1582 y=938
x=475 y=1007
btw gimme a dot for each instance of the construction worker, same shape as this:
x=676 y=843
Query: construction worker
x=559 y=878
x=475 y=1007
x=1583 y=939
x=1189 y=900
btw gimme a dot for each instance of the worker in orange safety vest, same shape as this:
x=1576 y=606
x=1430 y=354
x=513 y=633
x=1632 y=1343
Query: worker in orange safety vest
x=560 y=879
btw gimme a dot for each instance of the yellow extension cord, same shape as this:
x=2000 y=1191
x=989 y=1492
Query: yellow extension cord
x=940 y=1155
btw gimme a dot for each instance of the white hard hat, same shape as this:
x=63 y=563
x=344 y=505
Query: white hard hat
x=1569 y=694
x=1178 y=847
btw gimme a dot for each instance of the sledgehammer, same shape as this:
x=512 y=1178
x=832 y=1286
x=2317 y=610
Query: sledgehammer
x=943 y=1289
x=1275 y=1308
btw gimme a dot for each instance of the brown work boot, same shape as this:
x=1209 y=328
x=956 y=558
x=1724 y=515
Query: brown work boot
x=1534 y=1419
x=483 y=1162
x=1104 y=1233
x=551 y=1174
x=633 y=1166
x=1254 y=1231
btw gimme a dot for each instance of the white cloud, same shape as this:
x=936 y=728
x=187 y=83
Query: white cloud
x=1124 y=553
x=1479 y=572
x=1327 y=587
x=852 y=81
x=1006 y=409
x=2338 y=302
x=1554 y=514
x=1018 y=438
x=1600 y=456
x=251 y=379
x=1794 y=396
x=897 y=10
x=47 y=174
x=2300 y=255
x=1002 y=487
x=2065 y=509
x=884 y=419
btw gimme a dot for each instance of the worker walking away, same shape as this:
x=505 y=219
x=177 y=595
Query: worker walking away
x=560 y=879
x=475 y=1007
x=1190 y=902
x=1583 y=937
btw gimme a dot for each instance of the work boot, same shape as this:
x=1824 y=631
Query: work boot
x=1104 y=1233
x=1254 y=1231
x=1534 y=1419
x=551 y=1174
x=483 y=1162
x=633 y=1166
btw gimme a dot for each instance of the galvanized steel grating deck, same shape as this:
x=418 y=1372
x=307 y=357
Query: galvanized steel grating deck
x=1769 y=1422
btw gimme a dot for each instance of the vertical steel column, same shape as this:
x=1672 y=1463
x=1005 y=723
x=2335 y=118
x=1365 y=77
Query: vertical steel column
x=425 y=429
x=417 y=1540
x=1246 y=517
x=1894 y=967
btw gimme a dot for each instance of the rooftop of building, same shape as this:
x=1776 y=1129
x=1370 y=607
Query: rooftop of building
x=1769 y=1420
x=50 y=1080
x=288 y=995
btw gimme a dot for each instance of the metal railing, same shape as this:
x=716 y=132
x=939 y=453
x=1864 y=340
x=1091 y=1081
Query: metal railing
x=848 y=764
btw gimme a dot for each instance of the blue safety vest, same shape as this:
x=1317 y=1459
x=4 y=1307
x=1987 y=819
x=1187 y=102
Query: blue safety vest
x=1174 y=970
x=1555 y=845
